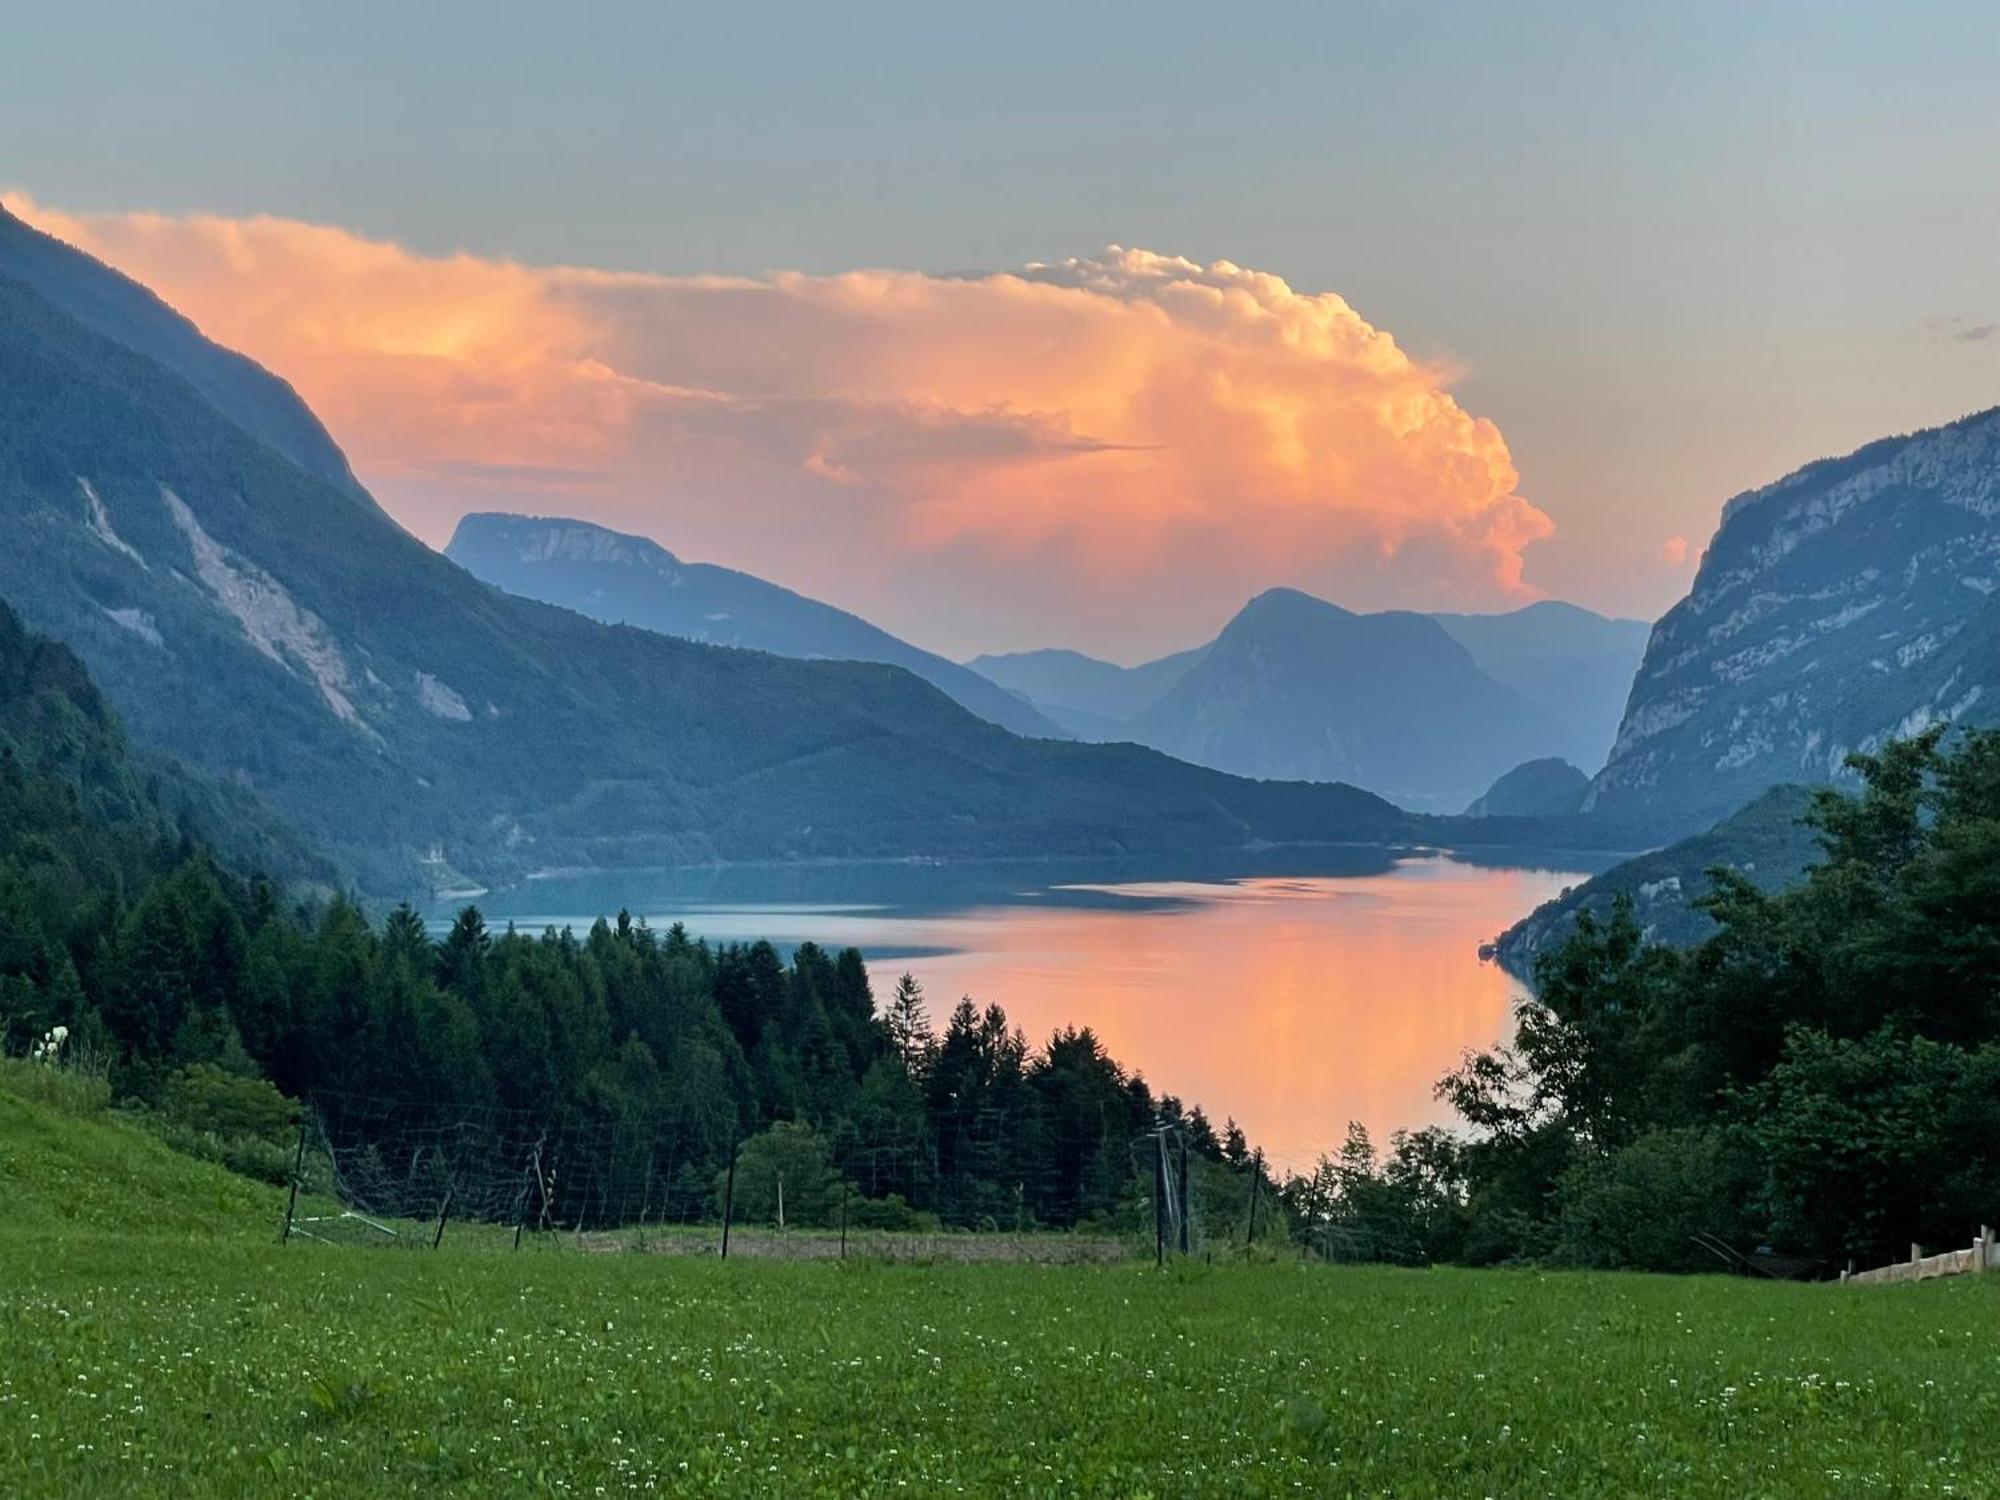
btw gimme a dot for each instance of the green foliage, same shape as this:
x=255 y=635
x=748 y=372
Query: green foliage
x=785 y=1175
x=1822 y=1073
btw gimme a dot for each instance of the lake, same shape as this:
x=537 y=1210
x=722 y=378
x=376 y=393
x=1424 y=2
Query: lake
x=1293 y=992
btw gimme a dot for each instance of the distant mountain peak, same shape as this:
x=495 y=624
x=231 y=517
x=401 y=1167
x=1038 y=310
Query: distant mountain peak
x=539 y=539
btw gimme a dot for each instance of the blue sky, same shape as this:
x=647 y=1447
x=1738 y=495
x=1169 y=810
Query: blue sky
x=1675 y=250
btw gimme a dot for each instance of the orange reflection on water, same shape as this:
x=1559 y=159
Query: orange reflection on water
x=1293 y=1004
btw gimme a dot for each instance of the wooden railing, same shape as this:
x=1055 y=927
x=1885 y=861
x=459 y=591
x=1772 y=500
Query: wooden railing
x=1982 y=1255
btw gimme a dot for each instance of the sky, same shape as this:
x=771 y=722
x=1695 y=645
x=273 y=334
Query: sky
x=1062 y=325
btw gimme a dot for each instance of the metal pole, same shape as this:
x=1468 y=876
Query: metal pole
x=298 y=1168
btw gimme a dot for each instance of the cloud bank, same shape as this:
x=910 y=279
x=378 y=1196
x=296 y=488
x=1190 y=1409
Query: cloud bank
x=1113 y=450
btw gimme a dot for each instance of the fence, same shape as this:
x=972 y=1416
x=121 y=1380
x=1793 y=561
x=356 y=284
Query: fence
x=1982 y=1255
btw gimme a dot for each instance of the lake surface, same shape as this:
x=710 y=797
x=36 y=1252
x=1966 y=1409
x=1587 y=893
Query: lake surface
x=1294 y=993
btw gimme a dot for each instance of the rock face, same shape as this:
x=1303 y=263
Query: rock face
x=1550 y=787
x=633 y=580
x=1848 y=604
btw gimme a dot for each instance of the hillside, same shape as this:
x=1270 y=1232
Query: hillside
x=1550 y=787
x=69 y=1166
x=1765 y=840
x=1296 y=688
x=245 y=615
x=631 y=580
x=1851 y=602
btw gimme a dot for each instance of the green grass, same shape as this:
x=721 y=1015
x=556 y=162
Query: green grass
x=176 y=1350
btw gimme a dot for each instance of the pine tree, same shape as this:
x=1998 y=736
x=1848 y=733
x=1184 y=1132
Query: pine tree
x=908 y=1023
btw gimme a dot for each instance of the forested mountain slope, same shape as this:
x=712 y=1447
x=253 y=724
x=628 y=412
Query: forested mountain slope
x=631 y=580
x=246 y=615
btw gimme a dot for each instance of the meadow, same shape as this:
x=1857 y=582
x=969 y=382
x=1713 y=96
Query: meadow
x=155 y=1340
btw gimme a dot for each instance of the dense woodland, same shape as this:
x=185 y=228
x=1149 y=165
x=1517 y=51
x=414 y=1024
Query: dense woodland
x=1821 y=1075
x=211 y=1001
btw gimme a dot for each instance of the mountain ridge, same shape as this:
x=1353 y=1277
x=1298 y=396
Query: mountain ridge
x=1852 y=601
x=241 y=612
x=624 y=579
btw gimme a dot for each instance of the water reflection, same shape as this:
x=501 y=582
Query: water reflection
x=1316 y=990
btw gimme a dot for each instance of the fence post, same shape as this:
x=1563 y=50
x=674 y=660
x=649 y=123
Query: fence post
x=1187 y=1233
x=298 y=1168
x=843 y=1218
x=1982 y=1260
x=729 y=1195
x=1159 y=1198
x=1256 y=1176
x=444 y=1212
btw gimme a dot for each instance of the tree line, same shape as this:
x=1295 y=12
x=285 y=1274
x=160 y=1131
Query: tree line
x=1821 y=1075
x=208 y=998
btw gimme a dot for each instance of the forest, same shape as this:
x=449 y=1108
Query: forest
x=1820 y=1075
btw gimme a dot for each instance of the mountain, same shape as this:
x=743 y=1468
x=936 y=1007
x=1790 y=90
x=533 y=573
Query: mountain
x=1102 y=694
x=1572 y=666
x=631 y=580
x=1765 y=841
x=124 y=311
x=1573 y=662
x=244 y=613
x=1849 y=603
x=1297 y=688
x=1550 y=787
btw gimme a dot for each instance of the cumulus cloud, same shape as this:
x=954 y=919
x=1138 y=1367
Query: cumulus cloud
x=1115 y=449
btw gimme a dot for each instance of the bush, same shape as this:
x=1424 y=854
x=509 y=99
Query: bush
x=1642 y=1207
x=891 y=1213
x=211 y=1101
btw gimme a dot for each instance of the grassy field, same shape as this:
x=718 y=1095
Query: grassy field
x=154 y=1341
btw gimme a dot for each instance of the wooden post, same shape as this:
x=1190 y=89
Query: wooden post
x=1256 y=1176
x=1916 y=1252
x=444 y=1212
x=298 y=1168
x=1187 y=1240
x=1312 y=1212
x=1159 y=1197
x=1982 y=1259
x=843 y=1218
x=729 y=1197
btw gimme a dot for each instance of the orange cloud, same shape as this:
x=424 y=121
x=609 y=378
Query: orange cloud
x=1125 y=445
x=1673 y=551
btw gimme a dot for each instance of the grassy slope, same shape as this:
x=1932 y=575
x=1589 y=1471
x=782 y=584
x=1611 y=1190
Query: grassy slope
x=154 y=1341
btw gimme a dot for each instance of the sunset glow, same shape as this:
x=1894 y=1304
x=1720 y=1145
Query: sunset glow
x=1102 y=437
